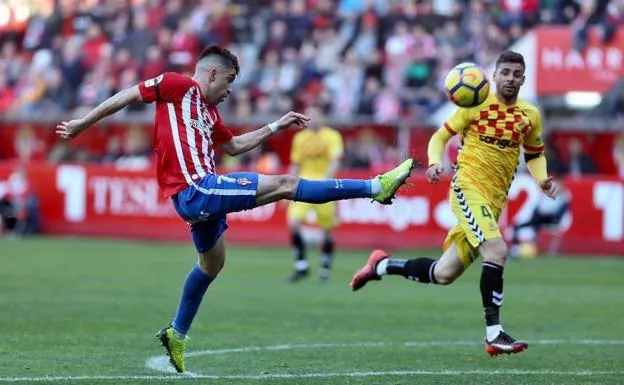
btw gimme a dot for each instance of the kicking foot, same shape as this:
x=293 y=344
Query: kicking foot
x=504 y=344
x=392 y=180
x=369 y=271
x=175 y=348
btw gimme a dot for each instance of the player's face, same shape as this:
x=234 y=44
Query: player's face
x=509 y=77
x=219 y=84
x=316 y=117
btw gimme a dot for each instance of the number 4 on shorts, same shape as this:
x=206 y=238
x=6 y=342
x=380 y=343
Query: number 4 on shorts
x=485 y=212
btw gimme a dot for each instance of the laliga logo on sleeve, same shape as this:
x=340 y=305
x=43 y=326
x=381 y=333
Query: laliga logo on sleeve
x=243 y=181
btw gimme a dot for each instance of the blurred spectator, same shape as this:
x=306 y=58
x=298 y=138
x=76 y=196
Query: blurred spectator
x=155 y=64
x=607 y=14
x=141 y=38
x=554 y=163
x=368 y=150
x=547 y=212
x=91 y=47
x=579 y=162
x=243 y=107
x=58 y=96
x=345 y=85
x=387 y=106
x=28 y=144
x=136 y=150
x=113 y=151
x=366 y=104
x=309 y=46
x=523 y=12
x=19 y=206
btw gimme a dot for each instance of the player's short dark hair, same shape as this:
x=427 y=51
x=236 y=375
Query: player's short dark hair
x=510 y=57
x=226 y=56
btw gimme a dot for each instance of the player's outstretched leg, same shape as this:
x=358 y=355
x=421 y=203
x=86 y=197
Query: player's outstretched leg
x=424 y=270
x=382 y=188
x=494 y=253
x=210 y=245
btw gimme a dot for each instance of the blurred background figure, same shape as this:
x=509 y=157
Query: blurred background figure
x=551 y=213
x=316 y=153
x=579 y=163
x=19 y=206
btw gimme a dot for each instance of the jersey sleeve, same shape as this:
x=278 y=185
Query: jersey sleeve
x=220 y=133
x=295 y=149
x=165 y=88
x=458 y=122
x=533 y=143
x=336 y=149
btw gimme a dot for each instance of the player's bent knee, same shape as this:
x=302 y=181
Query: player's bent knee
x=494 y=250
x=445 y=276
x=211 y=263
x=287 y=185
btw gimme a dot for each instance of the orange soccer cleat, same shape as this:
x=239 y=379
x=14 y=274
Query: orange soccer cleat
x=504 y=344
x=368 y=272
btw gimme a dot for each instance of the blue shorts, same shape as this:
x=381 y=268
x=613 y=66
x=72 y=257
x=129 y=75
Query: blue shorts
x=205 y=204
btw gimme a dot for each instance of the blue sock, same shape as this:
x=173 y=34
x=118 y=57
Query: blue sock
x=321 y=191
x=195 y=286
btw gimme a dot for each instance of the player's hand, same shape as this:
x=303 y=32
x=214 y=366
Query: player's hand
x=549 y=187
x=292 y=118
x=433 y=173
x=69 y=130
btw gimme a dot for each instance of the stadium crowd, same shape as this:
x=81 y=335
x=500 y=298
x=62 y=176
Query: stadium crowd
x=377 y=58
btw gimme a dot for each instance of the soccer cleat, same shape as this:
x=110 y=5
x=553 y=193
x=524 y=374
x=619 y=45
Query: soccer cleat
x=392 y=180
x=298 y=275
x=369 y=271
x=504 y=344
x=175 y=348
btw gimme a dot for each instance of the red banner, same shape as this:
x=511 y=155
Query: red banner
x=99 y=201
x=561 y=69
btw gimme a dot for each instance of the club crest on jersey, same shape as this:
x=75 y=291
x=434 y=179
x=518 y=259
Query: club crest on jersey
x=243 y=181
x=197 y=124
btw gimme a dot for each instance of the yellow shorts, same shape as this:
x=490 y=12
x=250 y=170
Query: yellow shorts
x=325 y=213
x=477 y=221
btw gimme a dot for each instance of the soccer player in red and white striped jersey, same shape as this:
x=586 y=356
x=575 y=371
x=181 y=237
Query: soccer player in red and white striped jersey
x=188 y=128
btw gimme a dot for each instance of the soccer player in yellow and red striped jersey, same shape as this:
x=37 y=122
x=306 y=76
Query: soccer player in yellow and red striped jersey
x=491 y=136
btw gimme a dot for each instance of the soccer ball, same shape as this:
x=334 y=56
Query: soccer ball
x=466 y=85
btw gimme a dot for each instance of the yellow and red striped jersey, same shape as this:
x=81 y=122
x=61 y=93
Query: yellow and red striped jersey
x=491 y=135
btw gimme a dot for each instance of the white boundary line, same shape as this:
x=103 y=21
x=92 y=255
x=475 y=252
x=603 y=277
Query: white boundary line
x=161 y=364
x=580 y=373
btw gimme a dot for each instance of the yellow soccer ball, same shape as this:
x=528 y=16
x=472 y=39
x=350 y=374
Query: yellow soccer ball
x=467 y=85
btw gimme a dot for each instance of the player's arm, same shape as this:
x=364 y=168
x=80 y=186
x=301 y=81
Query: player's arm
x=242 y=143
x=437 y=143
x=71 y=129
x=535 y=158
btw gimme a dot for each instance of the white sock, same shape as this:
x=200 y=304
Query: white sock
x=381 y=267
x=301 y=264
x=375 y=186
x=491 y=332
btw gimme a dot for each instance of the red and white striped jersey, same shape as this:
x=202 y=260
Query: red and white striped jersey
x=187 y=129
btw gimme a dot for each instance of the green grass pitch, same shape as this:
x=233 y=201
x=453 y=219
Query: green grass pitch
x=84 y=311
